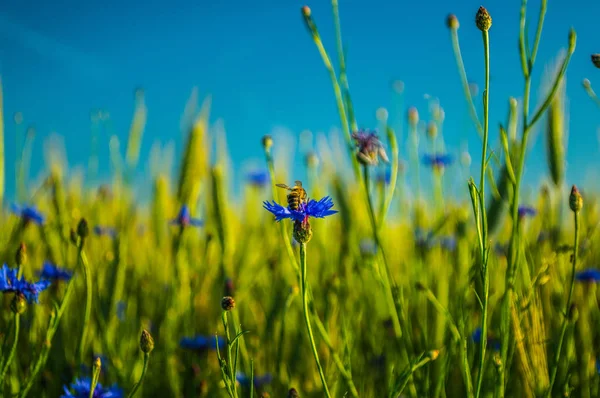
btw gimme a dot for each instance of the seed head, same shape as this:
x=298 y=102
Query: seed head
x=302 y=231
x=146 y=342
x=18 y=305
x=293 y=393
x=452 y=22
x=596 y=60
x=575 y=200
x=21 y=256
x=267 y=142
x=227 y=303
x=83 y=230
x=483 y=19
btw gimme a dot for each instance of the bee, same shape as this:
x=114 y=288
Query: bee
x=296 y=196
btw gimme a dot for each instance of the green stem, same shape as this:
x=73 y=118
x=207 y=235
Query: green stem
x=141 y=380
x=88 y=304
x=230 y=363
x=304 y=288
x=484 y=229
x=590 y=92
x=567 y=309
x=13 y=349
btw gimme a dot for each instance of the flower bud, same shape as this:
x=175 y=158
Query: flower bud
x=575 y=200
x=21 y=256
x=596 y=60
x=97 y=366
x=572 y=40
x=432 y=130
x=586 y=84
x=18 y=305
x=293 y=393
x=146 y=342
x=267 y=142
x=83 y=230
x=227 y=303
x=302 y=231
x=306 y=11
x=483 y=19
x=433 y=354
x=452 y=22
x=413 y=116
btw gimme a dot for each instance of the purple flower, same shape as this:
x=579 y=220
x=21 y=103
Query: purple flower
x=80 y=388
x=526 y=211
x=476 y=337
x=369 y=147
x=316 y=209
x=28 y=214
x=9 y=283
x=588 y=275
x=52 y=272
x=184 y=218
x=438 y=161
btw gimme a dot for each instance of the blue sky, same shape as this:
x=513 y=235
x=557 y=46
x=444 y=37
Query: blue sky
x=60 y=60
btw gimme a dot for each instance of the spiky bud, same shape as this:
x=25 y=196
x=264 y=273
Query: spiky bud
x=483 y=19
x=267 y=142
x=596 y=60
x=575 y=200
x=452 y=22
x=302 y=231
x=293 y=393
x=18 y=305
x=146 y=342
x=227 y=303
x=83 y=230
x=21 y=255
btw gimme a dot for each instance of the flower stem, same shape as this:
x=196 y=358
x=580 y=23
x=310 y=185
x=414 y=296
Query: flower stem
x=567 y=309
x=141 y=380
x=13 y=349
x=304 y=288
x=88 y=303
x=484 y=228
x=230 y=363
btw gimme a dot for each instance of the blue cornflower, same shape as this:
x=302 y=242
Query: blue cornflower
x=259 y=381
x=10 y=283
x=598 y=366
x=28 y=213
x=447 y=242
x=438 y=161
x=201 y=343
x=108 y=231
x=526 y=211
x=258 y=178
x=184 y=218
x=384 y=177
x=52 y=272
x=80 y=388
x=588 y=275
x=316 y=209
x=476 y=337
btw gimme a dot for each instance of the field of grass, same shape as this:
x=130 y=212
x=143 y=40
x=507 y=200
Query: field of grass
x=359 y=290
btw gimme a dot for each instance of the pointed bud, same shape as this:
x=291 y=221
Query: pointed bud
x=596 y=60
x=21 y=256
x=227 y=303
x=572 y=40
x=18 y=305
x=452 y=22
x=575 y=200
x=146 y=342
x=83 y=230
x=483 y=19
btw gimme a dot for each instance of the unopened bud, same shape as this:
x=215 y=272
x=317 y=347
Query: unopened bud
x=267 y=142
x=575 y=200
x=596 y=60
x=306 y=11
x=452 y=22
x=227 y=303
x=97 y=365
x=586 y=82
x=433 y=354
x=18 y=305
x=21 y=256
x=146 y=342
x=302 y=231
x=293 y=393
x=413 y=116
x=483 y=19
x=83 y=230
x=432 y=130
x=572 y=40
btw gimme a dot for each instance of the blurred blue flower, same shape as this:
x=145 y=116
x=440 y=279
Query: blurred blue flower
x=53 y=272
x=438 y=160
x=10 y=283
x=367 y=247
x=384 y=177
x=588 y=275
x=258 y=178
x=598 y=365
x=319 y=209
x=102 y=231
x=184 y=218
x=259 y=381
x=527 y=211
x=201 y=343
x=80 y=388
x=447 y=242
x=28 y=213
x=476 y=337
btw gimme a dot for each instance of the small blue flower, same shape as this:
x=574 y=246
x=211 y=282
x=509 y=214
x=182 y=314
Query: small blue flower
x=476 y=337
x=526 y=211
x=259 y=381
x=105 y=231
x=384 y=177
x=447 y=243
x=588 y=275
x=52 y=272
x=28 y=214
x=368 y=247
x=10 y=283
x=598 y=366
x=258 y=178
x=80 y=388
x=315 y=209
x=184 y=218
x=500 y=249
x=201 y=343
x=439 y=160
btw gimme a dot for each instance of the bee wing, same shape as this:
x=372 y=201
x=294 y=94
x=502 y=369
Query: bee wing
x=284 y=186
x=298 y=183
